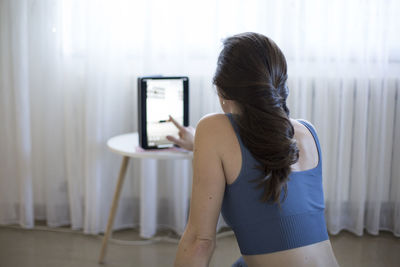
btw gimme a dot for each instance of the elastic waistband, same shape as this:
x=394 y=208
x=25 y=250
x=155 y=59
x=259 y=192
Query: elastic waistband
x=282 y=233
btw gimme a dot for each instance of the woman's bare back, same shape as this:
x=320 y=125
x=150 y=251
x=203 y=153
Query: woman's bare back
x=314 y=255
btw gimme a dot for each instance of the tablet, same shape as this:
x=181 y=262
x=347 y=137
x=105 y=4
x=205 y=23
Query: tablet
x=159 y=97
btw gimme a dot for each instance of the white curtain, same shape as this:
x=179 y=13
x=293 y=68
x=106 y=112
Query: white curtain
x=68 y=72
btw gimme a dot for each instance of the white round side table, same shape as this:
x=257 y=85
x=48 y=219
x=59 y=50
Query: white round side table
x=127 y=145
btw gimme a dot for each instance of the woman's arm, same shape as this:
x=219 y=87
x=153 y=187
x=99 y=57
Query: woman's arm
x=198 y=242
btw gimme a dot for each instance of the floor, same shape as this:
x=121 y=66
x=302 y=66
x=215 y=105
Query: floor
x=63 y=247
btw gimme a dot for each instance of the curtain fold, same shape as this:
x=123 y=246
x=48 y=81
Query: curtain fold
x=68 y=74
x=16 y=147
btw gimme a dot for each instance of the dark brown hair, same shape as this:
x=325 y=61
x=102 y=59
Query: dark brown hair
x=252 y=71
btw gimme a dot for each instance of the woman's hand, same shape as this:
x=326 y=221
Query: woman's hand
x=186 y=135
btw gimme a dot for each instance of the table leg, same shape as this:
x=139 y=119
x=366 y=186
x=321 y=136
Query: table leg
x=114 y=207
x=181 y=177
x=148 y=198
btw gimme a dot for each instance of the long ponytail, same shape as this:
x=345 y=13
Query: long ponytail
x=252 y=71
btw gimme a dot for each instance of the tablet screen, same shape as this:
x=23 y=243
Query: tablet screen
x=164 y=97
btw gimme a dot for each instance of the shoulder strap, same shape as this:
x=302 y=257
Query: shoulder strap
x=314 y=134
x=235 y=128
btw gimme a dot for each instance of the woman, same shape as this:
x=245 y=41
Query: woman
x=260 y=168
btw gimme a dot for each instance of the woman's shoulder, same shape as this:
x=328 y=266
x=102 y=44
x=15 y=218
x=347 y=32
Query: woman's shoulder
x=213 y=121
x=213 y=125
x=308 y=145
x=214 y=117
x=303 y=124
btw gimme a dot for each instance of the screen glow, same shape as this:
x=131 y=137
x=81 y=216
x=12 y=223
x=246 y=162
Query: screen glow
x=164 y=98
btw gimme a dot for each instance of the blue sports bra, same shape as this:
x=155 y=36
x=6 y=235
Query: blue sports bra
x=265 y=227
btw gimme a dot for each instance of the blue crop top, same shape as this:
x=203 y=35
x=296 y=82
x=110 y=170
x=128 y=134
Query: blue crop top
x=264 y=227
